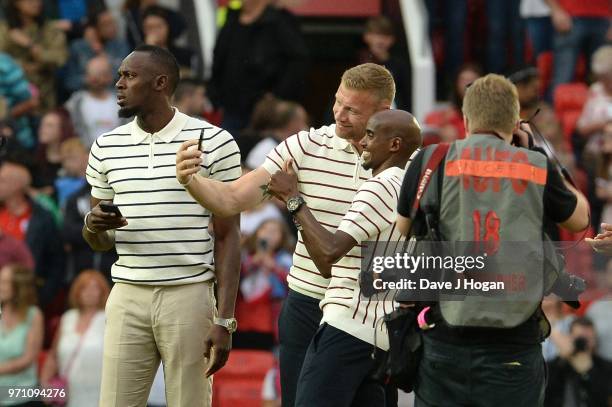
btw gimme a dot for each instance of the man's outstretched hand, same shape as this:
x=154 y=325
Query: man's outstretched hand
x=284 y=184
x=602 y=243
x=188 y=161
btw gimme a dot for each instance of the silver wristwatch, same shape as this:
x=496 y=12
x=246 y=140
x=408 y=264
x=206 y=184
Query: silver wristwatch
x=294 y=203
x=230 y=324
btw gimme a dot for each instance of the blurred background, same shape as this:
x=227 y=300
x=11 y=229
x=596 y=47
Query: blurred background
x=264 y=70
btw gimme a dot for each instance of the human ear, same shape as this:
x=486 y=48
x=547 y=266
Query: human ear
x=160 y=82
x=396 y=144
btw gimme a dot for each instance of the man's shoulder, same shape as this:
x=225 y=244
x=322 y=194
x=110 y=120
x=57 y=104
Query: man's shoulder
x=388 y=181
x=322 y=136
x=197 y=124
x=118 y=135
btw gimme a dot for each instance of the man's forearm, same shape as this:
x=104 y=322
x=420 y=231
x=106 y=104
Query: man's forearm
x=216 y=196
x=319 y=242
x=227 y=268
x=101 y=241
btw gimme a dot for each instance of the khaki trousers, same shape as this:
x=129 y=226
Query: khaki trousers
x=146 y=324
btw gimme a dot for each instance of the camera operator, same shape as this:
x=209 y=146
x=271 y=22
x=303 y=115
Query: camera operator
x=488 y=353
x=580 y=378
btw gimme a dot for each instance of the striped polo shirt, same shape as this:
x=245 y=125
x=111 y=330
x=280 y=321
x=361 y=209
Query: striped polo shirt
x=371 y=217
x=166 y=241
x=329 y=174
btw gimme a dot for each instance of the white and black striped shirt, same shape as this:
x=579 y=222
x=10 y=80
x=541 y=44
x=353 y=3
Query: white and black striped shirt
x=166 y=241
x=371 y=217
x=329 y=174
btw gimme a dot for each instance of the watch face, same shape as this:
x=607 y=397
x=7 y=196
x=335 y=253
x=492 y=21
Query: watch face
x=292 y=204
x=233 y=324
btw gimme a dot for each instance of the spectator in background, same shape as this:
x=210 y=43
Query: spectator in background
x=14 y=251
x=504 y=32
x=599 y=312
x=190 y=98
x=603 y=172
x=158 y=30
x=579 y=378
x=94 y=110
x=263 y=285
x=19 y=102
x=527 y=81
x=536 y=14
x=449 y=119
x=55 y=127
x=451 y=17
x=34 y=42
x=379 y=37
x=284 y=119
x=550 y=127
x=21 y=333
x=80 y=255
x=100 y=39
x=597 y=111
x=29 y=222
x=259 y=50
x=74 y=164
x=133 y=10
x=72 y=15
x=580 y=27
x=559 y=340
x=76 y=353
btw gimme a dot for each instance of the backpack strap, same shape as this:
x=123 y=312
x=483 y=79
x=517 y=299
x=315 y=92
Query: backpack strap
x=432 y=164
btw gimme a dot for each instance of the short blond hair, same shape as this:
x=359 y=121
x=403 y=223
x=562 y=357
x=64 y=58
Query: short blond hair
x=491 y=104
x=370 y=77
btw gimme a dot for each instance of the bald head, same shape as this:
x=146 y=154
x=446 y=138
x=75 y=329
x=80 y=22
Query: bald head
x=391 y=137
x=399 y=123
x=14 y=180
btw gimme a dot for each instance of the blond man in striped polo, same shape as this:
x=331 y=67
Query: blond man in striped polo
x=337 y=367
x=327 y=163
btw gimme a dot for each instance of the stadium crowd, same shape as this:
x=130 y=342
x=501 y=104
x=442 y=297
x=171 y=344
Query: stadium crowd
x=58 y=66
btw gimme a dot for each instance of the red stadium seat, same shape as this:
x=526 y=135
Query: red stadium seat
x=237 y=393
x=238 y=383
x=246 y=364
x=570 y=97
x=568 y=122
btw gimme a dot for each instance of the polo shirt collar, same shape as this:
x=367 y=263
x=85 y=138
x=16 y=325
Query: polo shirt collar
x=339 y=143
x=167 y=134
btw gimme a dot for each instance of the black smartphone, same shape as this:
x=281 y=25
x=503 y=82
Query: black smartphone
x=111 y=208
x=200 y=140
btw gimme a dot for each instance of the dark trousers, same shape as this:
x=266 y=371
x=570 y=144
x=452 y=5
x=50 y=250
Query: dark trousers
x=504 y=26
x=480 y=375
x=587 y=34
x=297 y=324
x=336 y=372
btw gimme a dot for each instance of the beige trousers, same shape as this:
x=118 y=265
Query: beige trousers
x=146 y=324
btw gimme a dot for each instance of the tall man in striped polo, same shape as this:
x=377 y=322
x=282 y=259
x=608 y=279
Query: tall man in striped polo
x=327 y=162
x=338 y=363
x=162 y=305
